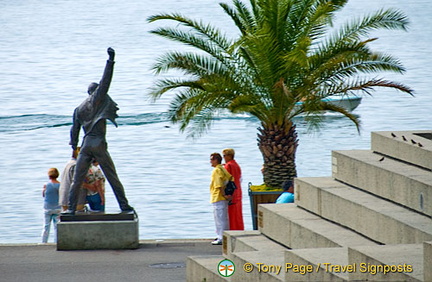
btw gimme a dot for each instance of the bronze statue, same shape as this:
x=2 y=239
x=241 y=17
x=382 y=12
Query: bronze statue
x=91 y=115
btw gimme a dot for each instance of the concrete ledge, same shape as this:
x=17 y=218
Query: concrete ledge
x=204 y=268
x=247 y=241
x=399 y=182
x=383 y=142
x=300 y=229
x=403 y=262
x=233 y=243
x=375 y=218
x=427 y=261
x=97 y=234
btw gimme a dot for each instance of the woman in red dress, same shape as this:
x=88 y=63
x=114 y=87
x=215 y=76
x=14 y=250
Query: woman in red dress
x=235 y=211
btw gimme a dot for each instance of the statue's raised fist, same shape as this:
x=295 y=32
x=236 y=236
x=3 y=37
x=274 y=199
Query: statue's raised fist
x=111 y=53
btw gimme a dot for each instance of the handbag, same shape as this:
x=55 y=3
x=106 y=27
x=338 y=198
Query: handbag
x=229 y=187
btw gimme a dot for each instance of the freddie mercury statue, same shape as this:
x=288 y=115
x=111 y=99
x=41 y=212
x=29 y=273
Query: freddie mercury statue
x=92 y=116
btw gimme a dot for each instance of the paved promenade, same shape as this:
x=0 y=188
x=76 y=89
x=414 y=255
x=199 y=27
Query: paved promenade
x=155 y=260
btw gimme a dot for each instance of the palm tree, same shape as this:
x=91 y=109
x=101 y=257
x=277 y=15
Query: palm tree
x=285 y=60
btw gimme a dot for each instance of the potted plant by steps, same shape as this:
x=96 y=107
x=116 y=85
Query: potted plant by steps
x=261 y=194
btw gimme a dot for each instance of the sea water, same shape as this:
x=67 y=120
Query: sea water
x=51 y=50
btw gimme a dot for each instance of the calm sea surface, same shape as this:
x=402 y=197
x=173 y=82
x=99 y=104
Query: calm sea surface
x=51 y=50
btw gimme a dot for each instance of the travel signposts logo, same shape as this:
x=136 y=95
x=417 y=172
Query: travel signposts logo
x=226 y=268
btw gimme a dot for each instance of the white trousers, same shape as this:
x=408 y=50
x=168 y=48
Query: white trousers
x=220 y=212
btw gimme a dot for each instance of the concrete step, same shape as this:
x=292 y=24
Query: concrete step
x=269 y=260
x=387 y=263
x=418 y=151
x=373 y=217
x=359 y=263
x=248 y=241
x=297 y=228
x=292 y=265
x=204 y=268
x=355 y=263
x=242 y=247
x=252 y=248
x=427 y=261
x=259 y=266
x=397 y=181
x=320 y=264
x=272 y=262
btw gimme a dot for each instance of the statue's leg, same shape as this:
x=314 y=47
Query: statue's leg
x=81 y=169
x=108 y=168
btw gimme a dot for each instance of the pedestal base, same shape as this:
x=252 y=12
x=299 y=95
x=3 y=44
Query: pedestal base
x=98 y=231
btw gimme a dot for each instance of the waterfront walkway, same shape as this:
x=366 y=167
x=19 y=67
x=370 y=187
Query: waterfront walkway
x=154 y=260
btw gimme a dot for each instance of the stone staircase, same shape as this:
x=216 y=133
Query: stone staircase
x=370 y=221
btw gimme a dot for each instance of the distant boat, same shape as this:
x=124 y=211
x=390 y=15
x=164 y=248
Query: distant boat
x=349 y=102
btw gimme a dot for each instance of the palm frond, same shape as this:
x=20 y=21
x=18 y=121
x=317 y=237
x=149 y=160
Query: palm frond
x=163 y=86
x=241 y=16
x=314 y=117
x=382 y=19
x=188 y=63
x=193 y=40
x=204 y=30
x=368 y=85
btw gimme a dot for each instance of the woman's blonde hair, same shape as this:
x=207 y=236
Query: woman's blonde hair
x=229 y=152
x=53 y=173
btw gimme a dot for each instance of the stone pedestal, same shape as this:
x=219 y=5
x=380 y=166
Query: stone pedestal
x=98 y=231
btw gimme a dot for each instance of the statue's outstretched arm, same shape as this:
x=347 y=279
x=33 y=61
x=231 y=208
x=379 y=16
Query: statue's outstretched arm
x=105 y=82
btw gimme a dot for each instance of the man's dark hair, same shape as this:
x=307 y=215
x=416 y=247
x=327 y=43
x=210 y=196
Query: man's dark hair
x=287 y=184
x=216 y=156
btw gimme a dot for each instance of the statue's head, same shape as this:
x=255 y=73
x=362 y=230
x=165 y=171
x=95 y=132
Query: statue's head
x=92 y=87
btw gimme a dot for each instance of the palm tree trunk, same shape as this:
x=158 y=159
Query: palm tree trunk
x=278 y=145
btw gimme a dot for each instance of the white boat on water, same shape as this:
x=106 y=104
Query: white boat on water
x=349 y=102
